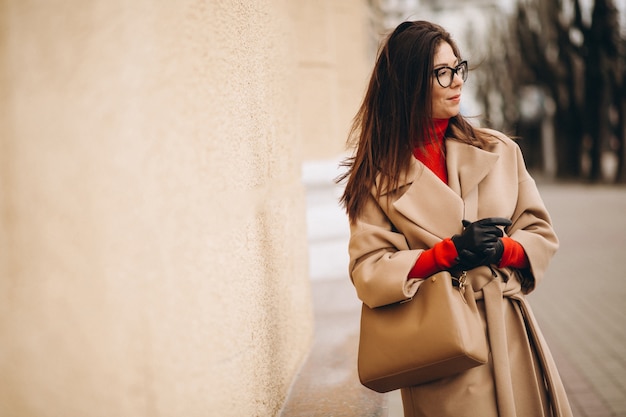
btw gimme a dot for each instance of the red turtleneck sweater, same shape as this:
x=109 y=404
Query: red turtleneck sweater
x=443 y=254
x=433 y=153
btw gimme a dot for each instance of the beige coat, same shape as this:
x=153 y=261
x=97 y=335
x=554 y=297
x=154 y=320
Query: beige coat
x=392 y=232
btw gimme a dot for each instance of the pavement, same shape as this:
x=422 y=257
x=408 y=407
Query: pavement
x=580 y=305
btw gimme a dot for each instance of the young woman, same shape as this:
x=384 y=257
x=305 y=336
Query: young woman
x=426 y=191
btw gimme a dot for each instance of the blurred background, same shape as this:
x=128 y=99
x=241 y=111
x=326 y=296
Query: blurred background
x=170 y=238
x=549 y=72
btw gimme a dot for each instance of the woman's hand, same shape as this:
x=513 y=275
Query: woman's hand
x=480 y=242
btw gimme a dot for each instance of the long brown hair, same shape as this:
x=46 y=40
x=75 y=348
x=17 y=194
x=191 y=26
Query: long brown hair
x=395 y=113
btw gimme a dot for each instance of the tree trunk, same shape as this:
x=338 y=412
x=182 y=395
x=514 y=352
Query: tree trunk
x=569 y=139
x=598 y=107
x=620 y=176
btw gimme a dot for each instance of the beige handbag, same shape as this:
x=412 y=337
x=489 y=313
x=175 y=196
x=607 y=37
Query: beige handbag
x=437 y=333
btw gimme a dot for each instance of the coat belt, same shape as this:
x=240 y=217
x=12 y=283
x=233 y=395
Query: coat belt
x=492 y=291
x=494 y=312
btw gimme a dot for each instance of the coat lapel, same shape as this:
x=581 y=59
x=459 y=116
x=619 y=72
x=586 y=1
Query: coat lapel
x=467 y=166
x=439 y=208
x=431 y=204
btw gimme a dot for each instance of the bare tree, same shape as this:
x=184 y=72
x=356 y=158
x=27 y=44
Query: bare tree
x=579 y=64
x=601 y=55
x=619 y=104
x=620 y=129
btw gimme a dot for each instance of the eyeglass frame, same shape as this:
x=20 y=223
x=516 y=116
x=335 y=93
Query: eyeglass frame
x=455 y=71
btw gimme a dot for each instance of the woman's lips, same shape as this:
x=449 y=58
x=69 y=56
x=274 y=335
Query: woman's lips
x=456 y=98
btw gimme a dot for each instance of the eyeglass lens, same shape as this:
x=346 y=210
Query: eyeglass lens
x=445 y=75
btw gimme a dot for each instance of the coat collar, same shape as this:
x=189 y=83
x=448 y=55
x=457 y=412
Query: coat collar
x=467 y=166
x=435 y=206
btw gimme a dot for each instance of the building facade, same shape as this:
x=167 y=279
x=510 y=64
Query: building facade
x=153 y=256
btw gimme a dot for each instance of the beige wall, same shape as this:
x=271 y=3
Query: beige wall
x=334 y=64
x=152 y=236
x=153 y=245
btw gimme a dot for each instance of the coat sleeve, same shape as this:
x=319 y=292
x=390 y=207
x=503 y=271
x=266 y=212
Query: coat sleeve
x=532 y=228
x=380 y=259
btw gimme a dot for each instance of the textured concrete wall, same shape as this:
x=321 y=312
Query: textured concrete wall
x=334 y=63
x=152 y=237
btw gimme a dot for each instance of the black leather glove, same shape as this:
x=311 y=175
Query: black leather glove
x=467 y=260
x=480 y=235
x=480 y=243
x=493 y=253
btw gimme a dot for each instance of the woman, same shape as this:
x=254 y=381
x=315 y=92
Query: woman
x=426 y=191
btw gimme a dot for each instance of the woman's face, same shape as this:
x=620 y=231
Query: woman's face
x=446 y=101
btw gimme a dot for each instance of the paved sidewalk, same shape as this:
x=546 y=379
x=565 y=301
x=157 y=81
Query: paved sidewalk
x=580 y=305
x=328 y=385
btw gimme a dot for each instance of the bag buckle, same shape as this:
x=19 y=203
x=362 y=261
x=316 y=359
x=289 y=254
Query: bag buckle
x=460 y=282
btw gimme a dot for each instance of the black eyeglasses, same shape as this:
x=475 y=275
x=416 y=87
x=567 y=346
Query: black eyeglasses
x=445 y=75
